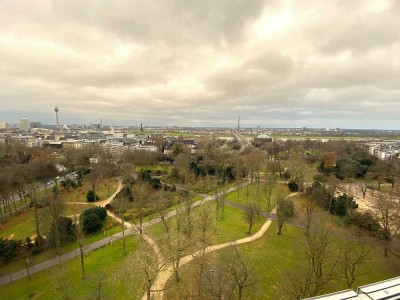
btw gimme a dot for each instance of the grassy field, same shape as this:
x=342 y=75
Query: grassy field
x=110 y=228
x=74 y=209
x=23 y=225
x=103 y=190
x=272 y=257
x=249 y=194
x=230 y=227
x=102 y=267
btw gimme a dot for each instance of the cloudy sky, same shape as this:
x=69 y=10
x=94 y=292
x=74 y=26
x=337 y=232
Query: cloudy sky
x=277 y=63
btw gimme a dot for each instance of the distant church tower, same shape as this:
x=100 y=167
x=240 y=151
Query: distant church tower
x=238 y=128
x=141 y=126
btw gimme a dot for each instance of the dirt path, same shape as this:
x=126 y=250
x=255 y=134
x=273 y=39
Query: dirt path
x=109 y=199
x=167 y=272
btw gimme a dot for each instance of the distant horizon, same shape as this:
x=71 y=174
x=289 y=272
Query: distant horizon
x=149 y=126
x=276 y=63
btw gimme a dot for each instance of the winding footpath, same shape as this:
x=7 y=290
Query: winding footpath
x=67 y=256
x=131 y=230
x=166 y=273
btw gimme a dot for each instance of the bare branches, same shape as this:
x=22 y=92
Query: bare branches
x=388 y=214
x=284 y=211
x=355 y=255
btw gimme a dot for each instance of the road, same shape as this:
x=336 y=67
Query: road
x=40 y=187
x=244 y=142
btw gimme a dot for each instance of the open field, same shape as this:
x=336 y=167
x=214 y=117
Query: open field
x=250 y=194
x=110 y=228
x=101 y=267
x=272 y=257
x=230 y=227
x=103 y=190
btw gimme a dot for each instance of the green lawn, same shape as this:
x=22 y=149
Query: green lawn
x=230 y=227
x=250 y=194
x=101 y=265
x=169 y=209
x=103 y=190
x=74 y=209
x=110 y=228
x=271 y=258
x=20 y=226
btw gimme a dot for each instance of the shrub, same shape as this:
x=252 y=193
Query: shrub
x=343 y=205
x=69 y=183
x=91 y=223
x=363 y=220
x=9 y=249
x=101 y=212
x=65 y=231
x=91 y=197
x=293 y=186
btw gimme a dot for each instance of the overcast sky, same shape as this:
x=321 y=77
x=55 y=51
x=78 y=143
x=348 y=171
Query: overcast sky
x=277 y=63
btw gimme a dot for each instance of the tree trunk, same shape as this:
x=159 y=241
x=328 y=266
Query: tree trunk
x=37 y=223
x=176 y=269
x=250 y=225
x=15 y=206
x=280 y=229
x=240 y=295
x=82 y=257
x=123 y=236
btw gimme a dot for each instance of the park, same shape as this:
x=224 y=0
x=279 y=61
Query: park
x=284 y=220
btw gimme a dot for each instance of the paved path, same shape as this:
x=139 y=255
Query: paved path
x=67 y=256
x=99 y=244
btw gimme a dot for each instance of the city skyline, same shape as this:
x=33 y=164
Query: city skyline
x=276 y=63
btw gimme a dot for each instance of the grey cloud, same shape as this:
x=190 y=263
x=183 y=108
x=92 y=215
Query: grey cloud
x=365 y=33
x=275 y=62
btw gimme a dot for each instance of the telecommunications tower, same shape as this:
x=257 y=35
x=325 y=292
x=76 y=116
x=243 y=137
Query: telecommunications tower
x=56 y=110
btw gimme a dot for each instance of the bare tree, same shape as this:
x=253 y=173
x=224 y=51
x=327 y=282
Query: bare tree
x=219 y=197
x=284 y=210
x=269 y=186
x=179 y=239
x=227 y=276
x=297 y=166
x=55 y=208
x=122 y=203
x=37 y=216
x=364 y=188
x=208 y=230
x=79 y=237
x=251 y=212
x=355 y=256
x=320 y=263
x=240 y=273
x=95 y=175
x=62 y=283
x=140 y=198
x=97 y=282
x=388 y=216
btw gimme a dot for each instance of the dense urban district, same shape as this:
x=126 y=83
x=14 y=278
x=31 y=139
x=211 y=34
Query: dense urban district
x=102 y=212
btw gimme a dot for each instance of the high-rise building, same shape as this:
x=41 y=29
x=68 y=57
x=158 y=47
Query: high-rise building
x=4 y=125
x=24 y=124
x=36 y=124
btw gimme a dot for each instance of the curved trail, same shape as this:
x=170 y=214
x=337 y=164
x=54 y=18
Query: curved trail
x=167 y=272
